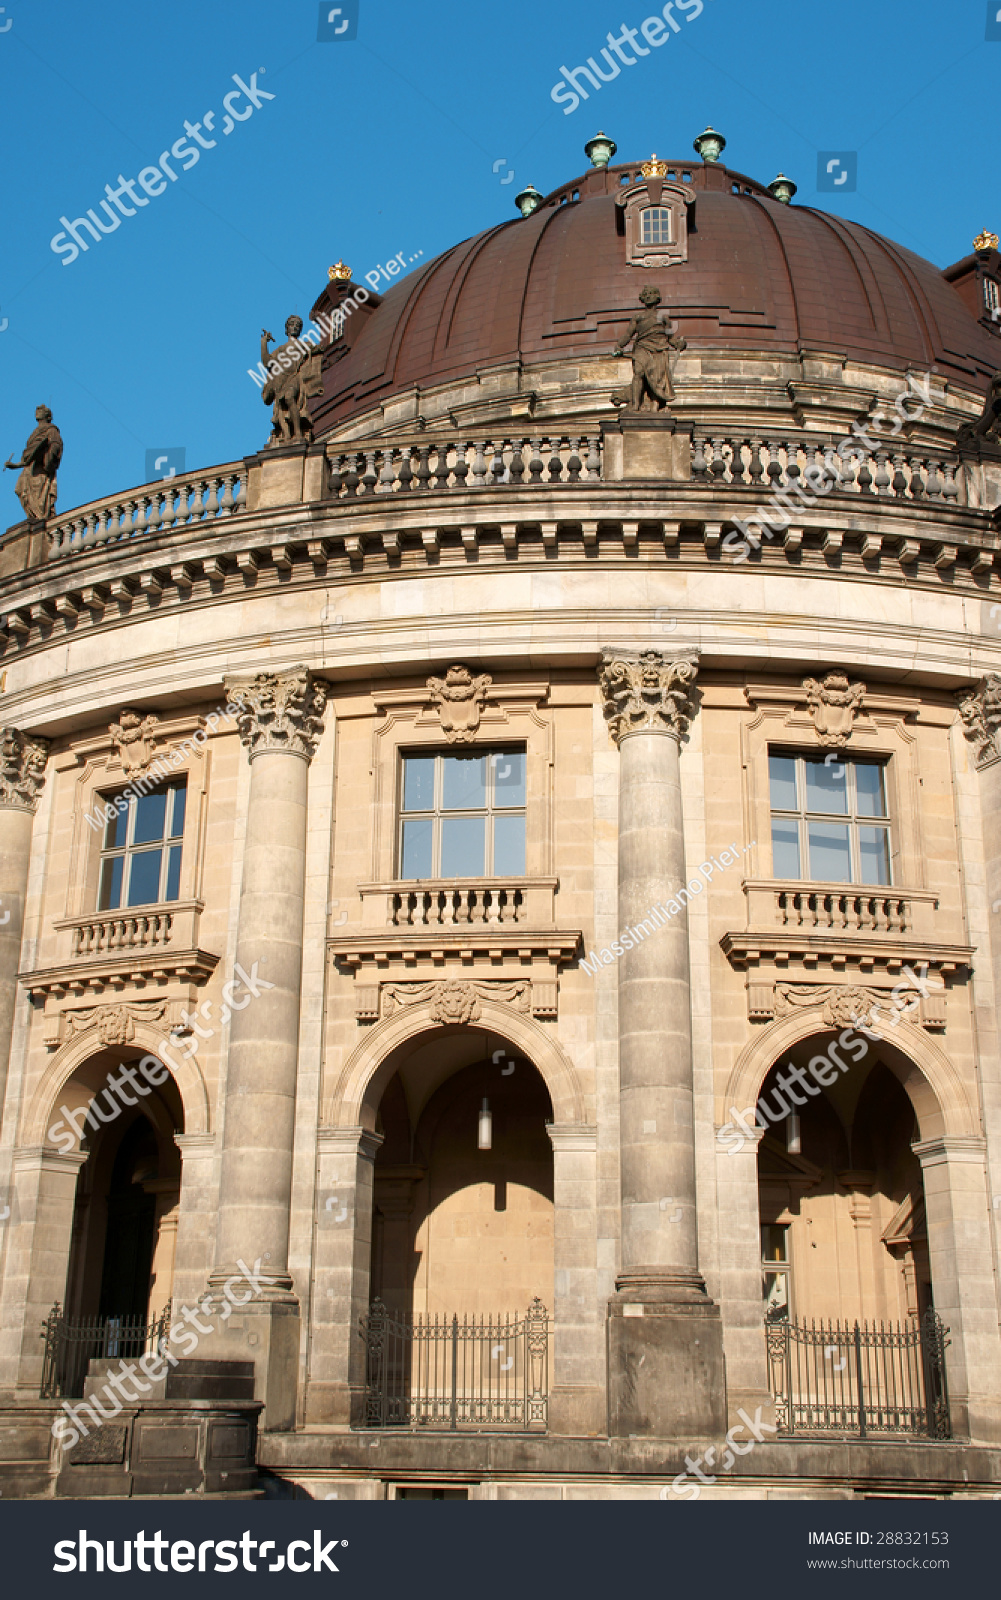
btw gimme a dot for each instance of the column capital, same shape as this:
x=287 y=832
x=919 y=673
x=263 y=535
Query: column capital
x=980 y=710
x=279 y=711
x=22 y=768
x=647 y=691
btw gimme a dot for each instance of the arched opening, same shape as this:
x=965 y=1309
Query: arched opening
x=459 y=1229
x=121 y=1258
x=841 y=1198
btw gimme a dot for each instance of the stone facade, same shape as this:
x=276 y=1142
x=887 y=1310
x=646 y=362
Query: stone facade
x=331 y=1024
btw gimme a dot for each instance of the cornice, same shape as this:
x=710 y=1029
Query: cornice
x=859 y=539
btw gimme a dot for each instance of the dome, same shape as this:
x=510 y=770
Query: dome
x=759 y=275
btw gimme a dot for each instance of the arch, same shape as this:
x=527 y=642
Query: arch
x=371 y=1060
x=77 y=1051
x=930 y=1079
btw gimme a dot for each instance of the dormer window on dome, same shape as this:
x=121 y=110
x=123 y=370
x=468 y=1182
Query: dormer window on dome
x=655 y=214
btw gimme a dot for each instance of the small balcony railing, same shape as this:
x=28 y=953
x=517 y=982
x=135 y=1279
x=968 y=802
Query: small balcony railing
x=442 y=1372
x=840 y=908
x=70 y=1347
x=885 y=1381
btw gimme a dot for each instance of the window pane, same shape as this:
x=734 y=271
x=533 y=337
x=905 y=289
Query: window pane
x=656 y=225
x=785 y=849
x=151 y=814
x=871 y=800
x=418 y=783
x=173 y=888
x=874 y=848
x=773 y=1241
x=509 y=777
x=416 y=852
x=177 y=825
x=830 y=857
x=827 y=786
x=465 y=782
x=144 y=878
x=462 y=840
x=776 y=1292
x=110 y=896
x=114 y=833
x=509 y=847
x=782 y=771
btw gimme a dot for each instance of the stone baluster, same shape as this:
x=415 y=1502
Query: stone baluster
x=593 y=458
x=950 y=490
x=882 y=479
x=573 y=461
x=917 y=481
x=535 y=465
x=555 y=461
x=406 y=469
x=516 y=471
x=665 y=1335
x=387 y=476
x=423 y=470
x=479 y=467
x=369 y=477
x=933 y=488
x=461 y=468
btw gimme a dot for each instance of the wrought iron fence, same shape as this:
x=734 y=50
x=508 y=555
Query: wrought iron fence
x=426 y=1371
x=71 y=1346
x=879 y=1381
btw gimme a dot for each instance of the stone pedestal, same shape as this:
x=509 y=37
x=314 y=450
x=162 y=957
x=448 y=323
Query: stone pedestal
x=646 y=444
x=665 y=1340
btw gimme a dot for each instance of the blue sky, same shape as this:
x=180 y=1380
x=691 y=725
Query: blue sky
x=386 y=143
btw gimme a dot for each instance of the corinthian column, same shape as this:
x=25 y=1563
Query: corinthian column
x=22 y=774
x=280 y=725
x=665 y=1340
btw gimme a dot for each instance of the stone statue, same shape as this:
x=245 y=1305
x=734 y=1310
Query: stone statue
x=36 y=487
x=294 y=380
x=654 y=335
x=988 y=425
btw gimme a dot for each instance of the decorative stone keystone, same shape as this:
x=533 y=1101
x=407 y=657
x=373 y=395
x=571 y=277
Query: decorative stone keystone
x=834 y=704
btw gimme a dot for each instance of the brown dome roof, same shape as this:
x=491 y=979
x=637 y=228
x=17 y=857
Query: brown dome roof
x=760 y=275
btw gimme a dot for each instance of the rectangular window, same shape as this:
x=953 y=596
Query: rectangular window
x=656 y=222
x=991 y=296
x=830 y=822
x=462 y=816
x=141 y=858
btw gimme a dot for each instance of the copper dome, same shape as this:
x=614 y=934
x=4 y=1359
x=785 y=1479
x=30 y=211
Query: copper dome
x=760 y=275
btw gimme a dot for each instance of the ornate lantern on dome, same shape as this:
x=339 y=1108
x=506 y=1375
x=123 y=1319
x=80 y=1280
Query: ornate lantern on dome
x=600 y=151
x=528 y=200
x=782 y=188
x=709 y=145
